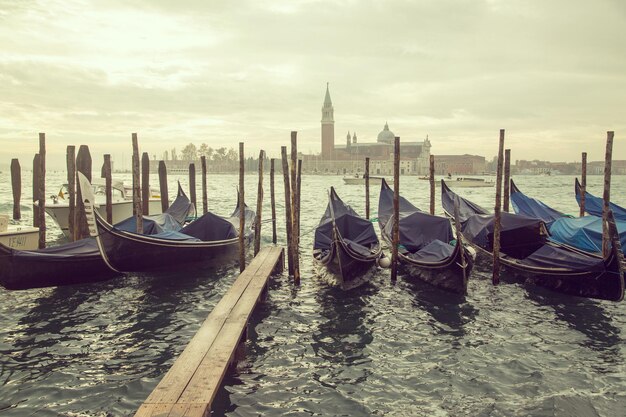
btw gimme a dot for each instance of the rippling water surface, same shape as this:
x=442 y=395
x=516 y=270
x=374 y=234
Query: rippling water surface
x=383 y=349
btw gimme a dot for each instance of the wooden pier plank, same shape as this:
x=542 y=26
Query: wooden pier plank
x=190 y=385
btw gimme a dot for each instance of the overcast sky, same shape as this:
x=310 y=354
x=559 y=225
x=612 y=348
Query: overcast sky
x=551 y=72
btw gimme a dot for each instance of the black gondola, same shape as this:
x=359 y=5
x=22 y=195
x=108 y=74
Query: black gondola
x=425 y=250
x=345 y=244
x=209 y=239
x=526 y=252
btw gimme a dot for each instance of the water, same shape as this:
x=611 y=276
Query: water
x=404 y=349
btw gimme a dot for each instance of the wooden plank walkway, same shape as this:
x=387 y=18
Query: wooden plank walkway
x=189 y=387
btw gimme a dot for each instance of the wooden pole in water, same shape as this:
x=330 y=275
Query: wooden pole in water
x=70 y=160
x=431 y=180
x=367 y=187
x=288 y=214
x=459 y=242
x=205 y=198
x=42 y=190
x=83 y=165
x=36 y=165
x=145 y=183
x=108 y=187
x=165 y=202
x=507 y=179
x=273 y=201
x=396 y=209
x=16 y=184
x=242 y=211
x=495 y=279
x=606 y=196
x=259 y=206
x=192 y=185
x=299 y=188
x=137 y=186
x=583 y=184
x=295 y=220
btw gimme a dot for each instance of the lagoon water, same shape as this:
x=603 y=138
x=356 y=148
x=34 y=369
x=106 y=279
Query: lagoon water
x=397 y=350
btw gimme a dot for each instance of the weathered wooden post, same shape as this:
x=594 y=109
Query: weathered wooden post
x=295 y=217
x=192 y=184
x=70 y=160
x=145 y=183
x=242 y=210
x=273 y=201
x=396 y=210
x=138 y=208
x=259 y=206
x=496 y=228
x=606 y=196
x=36 y=167
x=299 y=188
x=431 y=180
x=42 y=190
x=165 y=202
x=507 y=179
x=583 y=184
x=16 y=184
x=205 y=198
x=366 y=176
x=108 y=187
x=288 y=213
x=83 y=165
x=459 y=241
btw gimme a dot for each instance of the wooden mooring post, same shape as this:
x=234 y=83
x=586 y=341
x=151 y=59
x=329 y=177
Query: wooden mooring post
x=145 y=183
x=70 y=161
x=495 y=278
x=165 y=201
x=242 y=211
x=366 y=176
x=583 y=183
x=606 y=195
x=16 y=185
x=288 y=212
x=259 y=206
x=507 y=179
x=431 y=180
x=273 y=201
x=205 y=198
x=395 y=238
x=42 y=190
x=36 y=166
x=299 y=189
x=108 y=188
x=295 y=216
x=138 y=207
x=83 y=165
x=192 y=185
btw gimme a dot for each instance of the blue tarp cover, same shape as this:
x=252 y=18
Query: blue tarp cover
x=435 y=251
x=593 y=205
x=82 y=248
x=152 y=225
x=466 y=207
x=584 y=233
x=549 y=256
x=210 y=227
x=516 y=231
x=531 y=207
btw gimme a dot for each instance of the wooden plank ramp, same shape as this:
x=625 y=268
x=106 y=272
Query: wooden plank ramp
x=189 y=387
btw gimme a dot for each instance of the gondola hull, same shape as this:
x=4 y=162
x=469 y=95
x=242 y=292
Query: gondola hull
x=341 y=269
x=36 y=271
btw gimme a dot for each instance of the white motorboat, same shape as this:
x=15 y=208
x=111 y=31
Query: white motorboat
x=360 y=180
x=18 y=236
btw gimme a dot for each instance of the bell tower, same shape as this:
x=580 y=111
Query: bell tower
x=328 y=127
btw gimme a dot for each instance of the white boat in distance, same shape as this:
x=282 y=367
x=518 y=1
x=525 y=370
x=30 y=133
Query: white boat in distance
x=122 y=203
x=360 y=180
x=462 y=182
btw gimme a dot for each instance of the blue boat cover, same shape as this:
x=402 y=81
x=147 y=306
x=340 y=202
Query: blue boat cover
x=82 y=248
x=593 y=205
x=209 y=228
x=516 y=231
x=466 y=207
x=584 y=233
x=531 y=207
x=181 y=207
x=419 y=231
x=549 y=256
x=172 y=235
x=152 y=225
x=356 y=232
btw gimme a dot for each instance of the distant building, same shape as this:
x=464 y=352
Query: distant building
x=459 y=164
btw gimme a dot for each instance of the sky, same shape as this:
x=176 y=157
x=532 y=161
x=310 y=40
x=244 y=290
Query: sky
x=552 y=73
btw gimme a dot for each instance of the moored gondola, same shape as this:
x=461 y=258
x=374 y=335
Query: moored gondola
x=593 y=204
x=525 y=251
x=425 y=249
x=210 y=239
x=346 y=245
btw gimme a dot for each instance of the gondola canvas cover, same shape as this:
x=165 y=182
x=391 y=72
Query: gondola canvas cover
x=181 y=207
x=531 y=207
x=81 y=248
x=152 y=225
x=549 y=256
x=593 y=205
x=584 y=233
x=517 y=231
x=466 y=207
x=209 y=228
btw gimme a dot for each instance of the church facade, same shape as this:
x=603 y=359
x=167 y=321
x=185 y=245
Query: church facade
x=349 y=156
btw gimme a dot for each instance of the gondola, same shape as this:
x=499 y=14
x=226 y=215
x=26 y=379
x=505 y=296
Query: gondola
x=210 y=239
x=584 y=233
x=593 y=204
x=346 y=248
x=525 y=251
x=425 y=250
x=80 y=262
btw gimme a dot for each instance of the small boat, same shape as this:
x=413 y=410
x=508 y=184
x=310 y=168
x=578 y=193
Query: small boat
x=470 y=182
x=525 y=251
x=593 y=204
x=209 y=239
x=425 y=249
x=346 y=246
x=18 y=236
x=121 y=202
x=360 y=180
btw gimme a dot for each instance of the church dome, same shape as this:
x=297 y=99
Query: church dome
x=386 y=135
